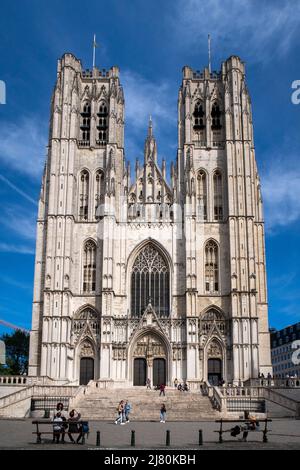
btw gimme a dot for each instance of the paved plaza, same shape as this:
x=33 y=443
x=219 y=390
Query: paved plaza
x=284 y=434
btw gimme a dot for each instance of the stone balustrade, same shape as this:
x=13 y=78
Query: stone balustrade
x=13 y=380
x=24 y=380
x=276 y=383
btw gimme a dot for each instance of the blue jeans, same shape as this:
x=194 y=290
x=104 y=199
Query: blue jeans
x=162 y=416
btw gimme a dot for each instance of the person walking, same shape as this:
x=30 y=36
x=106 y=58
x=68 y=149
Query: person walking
x=163 y=412
x=148 y=383
x=162 y=390
x=120 y=408
x=127 y=410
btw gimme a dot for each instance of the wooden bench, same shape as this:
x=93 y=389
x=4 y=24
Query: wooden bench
x=39 y=432
x=244 y=421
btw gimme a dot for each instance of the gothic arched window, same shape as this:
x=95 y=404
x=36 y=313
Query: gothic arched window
x=218 y=196
x=210 y=319
x=216 y=117
x=89 y=266
x=102 y=125
x=202 y=195
x=84 y=317
x=85 y=123
x=150 y=282
x=211 y=267
x=99 y=193
x=84 y=195
x=198 y=116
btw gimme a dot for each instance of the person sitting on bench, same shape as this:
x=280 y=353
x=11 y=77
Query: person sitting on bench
x=73 y=426
x=57 y=427
x=60 y=409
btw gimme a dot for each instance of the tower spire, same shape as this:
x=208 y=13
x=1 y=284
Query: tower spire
x=209 y=57
x=150 y=127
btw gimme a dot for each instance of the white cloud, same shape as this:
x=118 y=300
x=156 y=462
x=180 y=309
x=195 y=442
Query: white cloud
x=23 y=146
x=18 y=190
x=260 y=29
x=12 y=282
x=21 y=249
x=19 y=221
x=144 y=98
x=281 y=195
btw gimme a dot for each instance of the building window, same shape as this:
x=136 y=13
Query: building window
x=102 y=124
x=198 y=117
x=150 y=282
x=85 y=123
x=202 y=195
x=215 y=117
x=218 y=196
x=84 y=195
x=89 y=267
x=211 y=267
x=99 y=194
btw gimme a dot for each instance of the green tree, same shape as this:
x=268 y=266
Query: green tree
x=17 y=352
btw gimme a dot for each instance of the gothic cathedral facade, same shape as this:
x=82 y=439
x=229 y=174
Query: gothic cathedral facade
x=150 y=277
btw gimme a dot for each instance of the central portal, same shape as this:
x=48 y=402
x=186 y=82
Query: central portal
x=140 y=371
x=159 y=372
x=149 y=360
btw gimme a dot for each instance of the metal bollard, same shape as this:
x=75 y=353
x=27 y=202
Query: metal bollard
x=200 y=437
x=168 y=438
x=98 y=439
x=132 y=438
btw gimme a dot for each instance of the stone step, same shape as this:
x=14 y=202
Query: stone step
x=181 y=406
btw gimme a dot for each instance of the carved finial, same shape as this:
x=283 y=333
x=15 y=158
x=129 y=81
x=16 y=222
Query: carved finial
x=163 y=168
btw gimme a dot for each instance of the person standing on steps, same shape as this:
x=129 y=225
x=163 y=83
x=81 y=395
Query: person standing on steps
x=163 y=412
x=148 y=383
x=176 y=383
x=162 y=390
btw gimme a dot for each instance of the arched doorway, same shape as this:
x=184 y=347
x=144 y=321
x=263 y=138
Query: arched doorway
x=86 y=370
x=87 y=362
x=159 y=371
x=214 y=371
x=140 y=371
x=149 y=360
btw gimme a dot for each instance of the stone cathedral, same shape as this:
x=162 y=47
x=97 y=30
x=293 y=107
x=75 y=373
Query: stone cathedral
x=156 y=276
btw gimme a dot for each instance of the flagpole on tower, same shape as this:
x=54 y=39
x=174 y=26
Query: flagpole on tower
x=94 y=51
x=209 y=58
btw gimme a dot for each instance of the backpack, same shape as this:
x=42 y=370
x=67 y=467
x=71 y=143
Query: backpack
x=235 y=431
x=85 y=428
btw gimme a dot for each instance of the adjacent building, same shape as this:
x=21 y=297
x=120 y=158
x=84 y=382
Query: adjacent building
x=284 y=346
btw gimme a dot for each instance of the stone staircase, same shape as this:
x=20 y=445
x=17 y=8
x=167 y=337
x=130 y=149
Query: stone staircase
x=101 y=404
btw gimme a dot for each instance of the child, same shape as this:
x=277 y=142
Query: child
x=57 y=427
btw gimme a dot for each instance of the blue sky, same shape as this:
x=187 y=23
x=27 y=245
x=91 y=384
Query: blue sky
x=150 y=42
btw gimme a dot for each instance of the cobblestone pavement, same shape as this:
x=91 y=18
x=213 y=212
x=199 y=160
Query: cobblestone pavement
x=284 y=434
